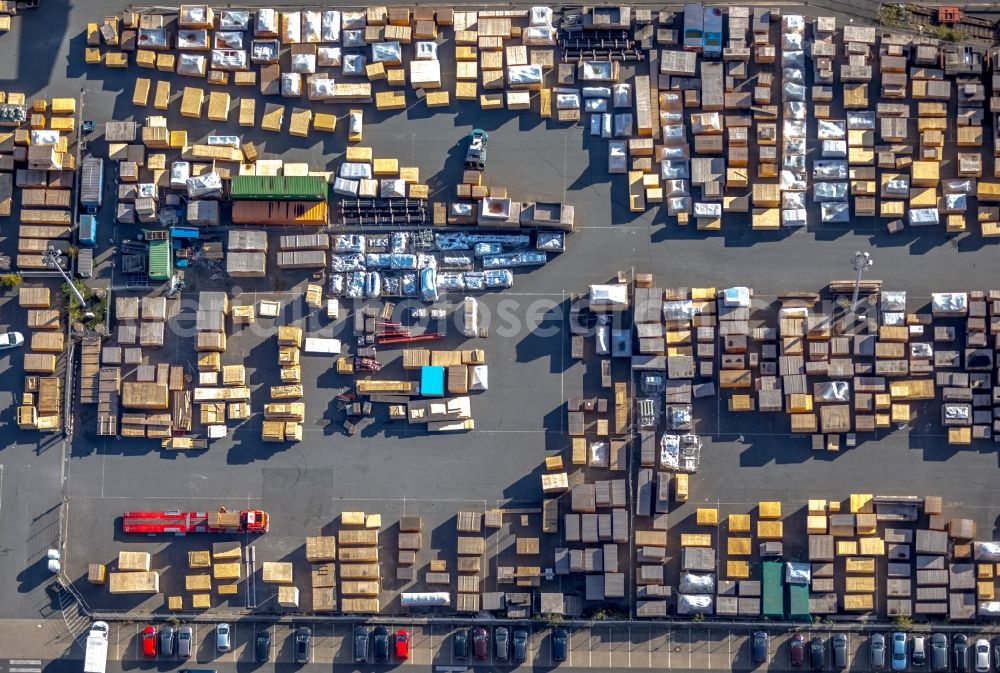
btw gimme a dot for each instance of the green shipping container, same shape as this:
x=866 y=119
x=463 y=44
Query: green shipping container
x=773 y=590
x=278 y=188
x=798 y=601
x=159 y=259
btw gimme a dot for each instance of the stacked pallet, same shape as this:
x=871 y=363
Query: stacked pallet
x=471 y=547
x=409 y=544
x=359 y=571
x=246 y=253
x=321 y=552
x=283 y=421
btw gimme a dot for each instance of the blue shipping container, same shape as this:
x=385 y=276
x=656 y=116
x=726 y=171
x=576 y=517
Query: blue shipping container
x=88 y=231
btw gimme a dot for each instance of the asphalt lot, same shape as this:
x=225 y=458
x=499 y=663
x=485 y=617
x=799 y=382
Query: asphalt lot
x=519 y=421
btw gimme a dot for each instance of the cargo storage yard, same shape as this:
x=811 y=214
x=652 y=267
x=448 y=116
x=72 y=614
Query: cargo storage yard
x=524 y=336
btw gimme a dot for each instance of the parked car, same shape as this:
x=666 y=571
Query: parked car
x=149 y=642
x=520 y=646
x=460 y=645
x=501 y=643
x=480 y=643
x=11 y=340
x=402 y=644
x=361 y=644
x=939 y=652
x=919 y=654
x=960 y=651
x=898 y=661
x=303 y=635
x=262 y=647
x=797 y=650
x=166 y=641
x=817 y=654
x=876 y=651
x=759 y=646
x=838 y=644
x=184 y=646
x=223 y=639
x=982 y=656
x=380 y=644
x=560 y=644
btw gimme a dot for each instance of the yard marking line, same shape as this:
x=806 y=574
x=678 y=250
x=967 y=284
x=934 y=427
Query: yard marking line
x=689 y=648
x=729 y=645
x=104 y=454
x=628 y=641
x=670 y=646
x=1 y=511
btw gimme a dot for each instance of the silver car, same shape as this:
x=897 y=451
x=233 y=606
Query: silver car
x=223 y=639
x=184 y=635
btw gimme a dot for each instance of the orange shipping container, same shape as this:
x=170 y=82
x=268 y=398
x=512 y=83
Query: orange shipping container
x=280 y=212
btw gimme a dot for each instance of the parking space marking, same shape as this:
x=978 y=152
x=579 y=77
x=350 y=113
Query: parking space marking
x=600 y=654
x=421 y=645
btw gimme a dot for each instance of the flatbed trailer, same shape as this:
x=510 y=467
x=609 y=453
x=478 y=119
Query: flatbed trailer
x=182 y=523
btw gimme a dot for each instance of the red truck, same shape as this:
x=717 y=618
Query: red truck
x=182 y=523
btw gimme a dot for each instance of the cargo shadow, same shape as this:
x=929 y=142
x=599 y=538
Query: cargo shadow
x=535 y=346
x=42 y=31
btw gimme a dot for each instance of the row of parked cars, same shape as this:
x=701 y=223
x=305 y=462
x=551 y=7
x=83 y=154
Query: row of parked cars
x=375 y=644
x=900 y=651
x=164 y=642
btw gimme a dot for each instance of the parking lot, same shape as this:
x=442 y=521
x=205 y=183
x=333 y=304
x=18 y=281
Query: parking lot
x=600 y=647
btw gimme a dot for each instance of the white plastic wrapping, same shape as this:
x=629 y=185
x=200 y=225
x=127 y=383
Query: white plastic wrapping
x=194 y=65
x=738 y=296
x=538 y=36
x=797 y=573
x=291 y=27
x=330 y=26
x=955 y=201
x=601 y=71
x=354 y=20
x=670 y=170
x=986 y=551
x=827 y=129
x=351 y=38
x=793 y=23
x=392 y=189
x=832 y=391
x=44 y=137
x=793 y=200
x=228 y=39
x=291 y=84
x=312 y=26
x=829 y=170
x=389 y=53
x=958 y=186
x=707 y=209
x=919 y=349
x=229 y=59
x=304 y=63
x=673 y=188
x=180 y=172
x=791 y=41
x=355 y=170
x=234 y=19
x=793 y=59
x=623 y=125
x=792 y=181
x=829 y=191
x=621 y=95
x=595 y=105
x=794 y=217
x=192 y=38
x=479 y=377
x=328 y=57
x=596 y=92
x=607 y=126
x=204 y=185
x=353 y=64
x=796 y=75
x=835 y=149
x=320 y=88
x=923 y=216
x=617 y=156
x=695 y=583
x=267 y=22
x=346 y=187
x=796 y=110
x=861 y=121
x=540 y=16
x=524 y=75
x=595 y=124
x=949 y=302
x=426 y=51
x=264 y=51
x=793 y=91
x=567 y=101
x=835 y=212
x=793 y=129
x=892 y=301
x=696 y=604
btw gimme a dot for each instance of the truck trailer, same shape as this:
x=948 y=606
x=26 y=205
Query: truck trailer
x=95 y=658
x=182 y=523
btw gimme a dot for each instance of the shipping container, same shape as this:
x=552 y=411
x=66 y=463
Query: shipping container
x=694 y=26
x=773 y=589
x=280 y=212
x=278 y=188
x=159 y=259
x=88 y=231
x=92 y=182
x=712 y=31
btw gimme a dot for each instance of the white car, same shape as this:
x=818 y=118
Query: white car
x=982 y=656
x=222 y=640
x=11 y=340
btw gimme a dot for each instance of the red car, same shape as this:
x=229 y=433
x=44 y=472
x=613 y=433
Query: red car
x=402 y=644
x=149 y=642
x=797 y=650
